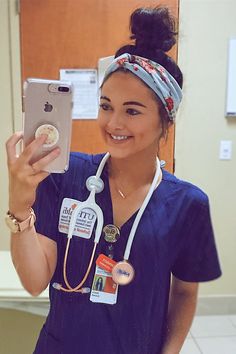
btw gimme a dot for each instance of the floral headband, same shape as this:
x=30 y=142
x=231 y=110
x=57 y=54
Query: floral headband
x=155 y=76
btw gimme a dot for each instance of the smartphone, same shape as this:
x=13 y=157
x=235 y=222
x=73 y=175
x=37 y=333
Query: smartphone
x=47 y=109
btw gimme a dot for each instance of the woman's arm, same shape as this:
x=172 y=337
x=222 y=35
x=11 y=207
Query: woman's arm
x=182 y=306
x=34 y=256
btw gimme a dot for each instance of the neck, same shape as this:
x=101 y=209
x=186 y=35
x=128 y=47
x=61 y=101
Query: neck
x=134 y=171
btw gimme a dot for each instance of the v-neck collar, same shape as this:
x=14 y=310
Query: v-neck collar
x=105 y=201
x=109 y=202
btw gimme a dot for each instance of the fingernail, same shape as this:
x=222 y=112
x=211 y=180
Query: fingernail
x=43 y=137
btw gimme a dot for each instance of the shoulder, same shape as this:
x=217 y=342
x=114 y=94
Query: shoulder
x=79 y=158
x=185 y=191
x=81 y=165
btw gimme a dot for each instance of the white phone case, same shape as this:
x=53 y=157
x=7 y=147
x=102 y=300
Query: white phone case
x=47 y=109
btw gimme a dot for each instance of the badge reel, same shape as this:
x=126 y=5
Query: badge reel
x=111 y=236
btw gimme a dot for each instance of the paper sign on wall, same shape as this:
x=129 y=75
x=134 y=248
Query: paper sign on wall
x=85 y=97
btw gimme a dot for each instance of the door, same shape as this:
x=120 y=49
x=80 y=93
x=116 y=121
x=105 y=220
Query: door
x=59 y=34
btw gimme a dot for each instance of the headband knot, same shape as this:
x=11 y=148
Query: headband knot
x=132 y=59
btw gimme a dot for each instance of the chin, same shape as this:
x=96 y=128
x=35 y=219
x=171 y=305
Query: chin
x=122 y=153
x=116 y=154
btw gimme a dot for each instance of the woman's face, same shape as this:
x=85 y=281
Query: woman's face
x=128 y=116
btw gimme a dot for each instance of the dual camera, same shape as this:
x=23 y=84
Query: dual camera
x=55 y=88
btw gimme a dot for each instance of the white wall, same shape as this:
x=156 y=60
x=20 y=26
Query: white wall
x=205 y=27
x=10 y=97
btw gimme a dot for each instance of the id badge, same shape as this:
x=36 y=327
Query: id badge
x=85 y=219
x=104 y=289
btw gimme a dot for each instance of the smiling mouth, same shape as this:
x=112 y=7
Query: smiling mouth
x=119 y=137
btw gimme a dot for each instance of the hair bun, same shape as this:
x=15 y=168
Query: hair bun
x=153 y=29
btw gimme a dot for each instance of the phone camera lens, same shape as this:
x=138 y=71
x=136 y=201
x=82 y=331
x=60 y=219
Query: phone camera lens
x=63 y=89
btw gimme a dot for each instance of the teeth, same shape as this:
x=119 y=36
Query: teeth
x=119 y=137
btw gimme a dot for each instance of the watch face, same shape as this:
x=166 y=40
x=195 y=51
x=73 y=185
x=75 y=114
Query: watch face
x=12 y=224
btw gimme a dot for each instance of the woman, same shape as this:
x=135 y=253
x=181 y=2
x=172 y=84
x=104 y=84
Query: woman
x=139 y=101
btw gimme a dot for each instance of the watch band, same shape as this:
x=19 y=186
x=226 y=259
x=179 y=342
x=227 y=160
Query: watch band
x=16 y=225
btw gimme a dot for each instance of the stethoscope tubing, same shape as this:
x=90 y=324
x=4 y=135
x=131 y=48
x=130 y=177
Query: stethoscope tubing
x=89 y=203
x=154 y=185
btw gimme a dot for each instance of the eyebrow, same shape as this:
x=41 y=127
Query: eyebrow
x=125 y=103
x=105 y=98
x=134 y=103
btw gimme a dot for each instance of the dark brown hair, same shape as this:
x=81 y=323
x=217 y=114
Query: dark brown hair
x=153 y=31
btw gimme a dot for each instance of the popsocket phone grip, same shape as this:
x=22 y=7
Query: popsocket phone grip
x=51 y=132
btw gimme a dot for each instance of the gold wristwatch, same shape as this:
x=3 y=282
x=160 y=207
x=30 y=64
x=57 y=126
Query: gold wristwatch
x=16 y=225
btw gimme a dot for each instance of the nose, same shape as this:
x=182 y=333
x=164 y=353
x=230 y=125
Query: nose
x=116 y=121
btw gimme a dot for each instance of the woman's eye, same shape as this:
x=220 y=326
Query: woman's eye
x=104 y=106
x=132 y=112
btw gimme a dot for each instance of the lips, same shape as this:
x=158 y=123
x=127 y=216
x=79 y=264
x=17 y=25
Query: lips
x=119 y=137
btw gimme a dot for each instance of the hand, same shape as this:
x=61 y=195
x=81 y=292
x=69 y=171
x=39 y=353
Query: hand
x=24 y=177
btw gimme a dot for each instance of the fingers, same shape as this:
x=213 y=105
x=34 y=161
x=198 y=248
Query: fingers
x=32 y=148
x=11 y=146
x=28 y=151
x=39 y=177
x=20 y=165
x=39 y=165
x=24 y=177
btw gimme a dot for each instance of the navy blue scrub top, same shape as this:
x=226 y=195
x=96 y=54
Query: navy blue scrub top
x=174 y=236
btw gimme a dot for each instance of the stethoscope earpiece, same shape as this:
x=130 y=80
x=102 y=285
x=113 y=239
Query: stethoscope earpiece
x=162 y=163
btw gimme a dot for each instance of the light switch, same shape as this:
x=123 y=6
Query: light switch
x=225 y=150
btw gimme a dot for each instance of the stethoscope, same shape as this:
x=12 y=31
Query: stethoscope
x=123 y=271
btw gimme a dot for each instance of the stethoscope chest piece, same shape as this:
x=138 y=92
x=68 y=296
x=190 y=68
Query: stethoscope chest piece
x=122 y=273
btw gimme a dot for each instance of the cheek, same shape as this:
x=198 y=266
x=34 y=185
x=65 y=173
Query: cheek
x=101 y=120
x=153 y=135
x=156 y=125
x=152 y=129
x=158 y=129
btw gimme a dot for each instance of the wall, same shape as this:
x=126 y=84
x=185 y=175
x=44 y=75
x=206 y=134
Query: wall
x=14 y=325
x=205 y=27
x=10 y=98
